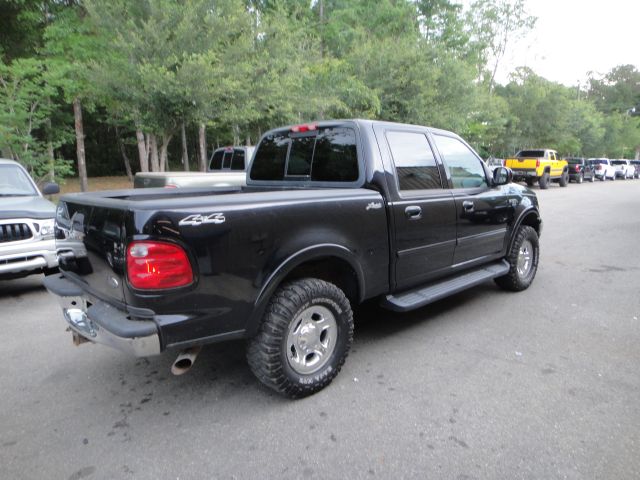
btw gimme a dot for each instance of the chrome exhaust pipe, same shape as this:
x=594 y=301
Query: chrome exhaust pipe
x=185 y=360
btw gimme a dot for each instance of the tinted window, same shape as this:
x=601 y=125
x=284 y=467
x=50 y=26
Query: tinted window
x=330 y=155
x=618 y=162
x=466 y=169
x=416 y=167
x=216 y=160
x=336 y=157
x=531 y=153
x=237 y=162
x=226 y=160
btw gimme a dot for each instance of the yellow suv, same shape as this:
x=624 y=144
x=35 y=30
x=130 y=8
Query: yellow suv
x=539 y=165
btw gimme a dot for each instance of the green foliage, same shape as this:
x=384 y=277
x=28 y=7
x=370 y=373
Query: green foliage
x=244 y=66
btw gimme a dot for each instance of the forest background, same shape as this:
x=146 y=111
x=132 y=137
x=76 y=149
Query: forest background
x=93 y=88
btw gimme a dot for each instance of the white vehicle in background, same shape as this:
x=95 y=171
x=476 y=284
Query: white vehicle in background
x=603 y=169
x=623 y=168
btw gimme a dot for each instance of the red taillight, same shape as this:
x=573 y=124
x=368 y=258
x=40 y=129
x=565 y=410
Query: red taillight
x=170 y=185
x=304 y=128
x=577 y=168
x=537 y=163
x=155 y=265
x=599 y=167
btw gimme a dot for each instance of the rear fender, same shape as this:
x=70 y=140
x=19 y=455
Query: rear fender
x=280 y=274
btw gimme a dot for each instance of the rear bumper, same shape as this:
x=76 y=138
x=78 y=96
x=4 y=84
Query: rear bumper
x=100 y=322
x=27 y=256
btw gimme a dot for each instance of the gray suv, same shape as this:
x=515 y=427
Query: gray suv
x=26 y=224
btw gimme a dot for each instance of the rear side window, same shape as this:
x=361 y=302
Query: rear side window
x=416 y=166
x=328 y=154
x=466 y=169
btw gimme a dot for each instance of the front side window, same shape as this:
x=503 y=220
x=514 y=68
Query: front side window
x=466 y=169
x=416 y=166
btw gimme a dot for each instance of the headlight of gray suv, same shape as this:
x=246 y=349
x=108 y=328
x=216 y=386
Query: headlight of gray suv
x=46 y=228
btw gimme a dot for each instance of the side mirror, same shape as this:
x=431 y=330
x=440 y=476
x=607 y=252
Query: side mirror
x=502 y=176
x=50 y=188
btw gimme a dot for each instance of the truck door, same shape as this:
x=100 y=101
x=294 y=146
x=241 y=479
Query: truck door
x=483 y=212
x=423 y=211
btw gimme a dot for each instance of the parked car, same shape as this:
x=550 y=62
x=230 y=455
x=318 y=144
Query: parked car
x=603 y=169
x=227 y=168
x=26 y=224
x=333 y=213
x=494 y=162
x=580 y=170
x=623 y=168
x=539 y=165
x=636 y=166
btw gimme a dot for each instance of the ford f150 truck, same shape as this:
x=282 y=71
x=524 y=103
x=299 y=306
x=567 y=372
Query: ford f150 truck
x=540 y=165
x=333 y=213
x=227 y=167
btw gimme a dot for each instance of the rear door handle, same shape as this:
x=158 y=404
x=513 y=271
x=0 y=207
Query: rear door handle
x=413 y=212
x=468 y=206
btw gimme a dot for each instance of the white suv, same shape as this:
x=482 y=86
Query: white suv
x=603 y=169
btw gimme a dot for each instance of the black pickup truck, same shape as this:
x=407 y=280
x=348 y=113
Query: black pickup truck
x=333 y=213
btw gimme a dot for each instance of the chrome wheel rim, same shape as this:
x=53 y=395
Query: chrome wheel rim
x=525 y=258
x=311 y=339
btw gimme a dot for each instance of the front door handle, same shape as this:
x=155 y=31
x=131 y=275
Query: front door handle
x=468 y=206
x=413 y=212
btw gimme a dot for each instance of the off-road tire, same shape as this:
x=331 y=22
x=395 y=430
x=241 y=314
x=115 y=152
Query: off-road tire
x=564 y=179
x=513 y=280
x=267 y=350
x=543 y=181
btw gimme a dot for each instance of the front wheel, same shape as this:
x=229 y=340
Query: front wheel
x=523 y=260
x=304 y=338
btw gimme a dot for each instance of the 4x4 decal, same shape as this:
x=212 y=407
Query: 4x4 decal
x=197 y=220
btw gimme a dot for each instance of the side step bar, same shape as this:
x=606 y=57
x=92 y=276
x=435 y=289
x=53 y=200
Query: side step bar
x=421 y=296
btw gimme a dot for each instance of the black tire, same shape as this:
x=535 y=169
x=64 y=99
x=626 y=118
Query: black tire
x=613 y=179
x=564 y=179
x=268 y=352
x=580 y=178
x=592 y=178
x=603 y=178
x=543 y=181
x=516 y=280
x=529 y=182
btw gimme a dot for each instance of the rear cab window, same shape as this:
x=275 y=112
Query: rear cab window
x=311 y=155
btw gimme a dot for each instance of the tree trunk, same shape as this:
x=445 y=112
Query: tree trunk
x=164 y=157
x=52 y=158
x=143 y=152
x=82 y=166
x=248 y=140
x=153 y=146
x=202 y=140
x=125 y=158
x=185 y=153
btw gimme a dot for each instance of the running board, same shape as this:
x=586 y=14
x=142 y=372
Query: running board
x=421 y=296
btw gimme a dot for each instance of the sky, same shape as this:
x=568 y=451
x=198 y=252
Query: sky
x=574 y=37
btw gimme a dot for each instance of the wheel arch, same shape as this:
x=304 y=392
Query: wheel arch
x=329 y=262
x=530 y=217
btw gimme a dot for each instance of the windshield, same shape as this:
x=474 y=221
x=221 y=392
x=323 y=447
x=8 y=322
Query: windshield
x=531 y=153
x=14 y=182
x=574 y=161
x=618 y=162
x=599 y=160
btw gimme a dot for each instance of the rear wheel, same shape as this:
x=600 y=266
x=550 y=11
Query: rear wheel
x=592 y=178
x=544 y=181
x=529 y=182
x=580 y=178
x=304 y=338
x=523 y=260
